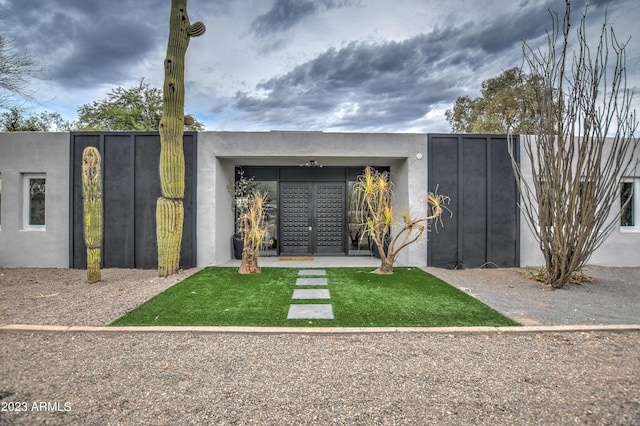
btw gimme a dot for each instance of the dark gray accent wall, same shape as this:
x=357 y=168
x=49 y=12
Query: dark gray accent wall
x=131 y=186
x=475 y=172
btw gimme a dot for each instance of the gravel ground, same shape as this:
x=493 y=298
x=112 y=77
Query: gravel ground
x=63 y=297
x=389 y=378
x=612 y=298
x=397 y=378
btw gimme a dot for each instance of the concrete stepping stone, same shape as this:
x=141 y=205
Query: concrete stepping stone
x=311 y=281
x=310 y=312
x=312 y=272
x=311 y=294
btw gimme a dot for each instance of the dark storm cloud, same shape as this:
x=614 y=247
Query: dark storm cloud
x=381 y=84
x=377 y=85
x=105 y=57
x=284 y=14
x=86 y=43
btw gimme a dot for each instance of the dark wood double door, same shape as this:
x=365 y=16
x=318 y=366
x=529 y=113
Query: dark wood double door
x=313 y=218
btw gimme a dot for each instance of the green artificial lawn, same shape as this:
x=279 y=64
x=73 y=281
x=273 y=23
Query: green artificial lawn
x=219 y=296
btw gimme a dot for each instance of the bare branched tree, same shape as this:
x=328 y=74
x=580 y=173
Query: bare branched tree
x=575 y=169
x=16 y=71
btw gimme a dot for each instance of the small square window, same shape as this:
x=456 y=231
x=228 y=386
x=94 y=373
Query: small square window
x=34 y=207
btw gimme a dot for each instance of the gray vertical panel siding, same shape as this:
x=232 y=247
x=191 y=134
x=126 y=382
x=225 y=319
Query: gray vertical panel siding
x=475 y=171
x=131 y=186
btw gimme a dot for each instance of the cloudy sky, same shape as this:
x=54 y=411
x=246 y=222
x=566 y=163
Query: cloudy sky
x=332 y=65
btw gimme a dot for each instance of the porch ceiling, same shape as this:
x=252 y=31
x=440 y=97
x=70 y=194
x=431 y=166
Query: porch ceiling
x=344 y=161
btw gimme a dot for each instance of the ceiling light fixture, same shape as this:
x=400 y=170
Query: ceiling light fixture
x=311 y=163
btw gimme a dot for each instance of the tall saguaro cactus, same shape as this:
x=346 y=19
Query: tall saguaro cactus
x=92 y=200
x=170 y=208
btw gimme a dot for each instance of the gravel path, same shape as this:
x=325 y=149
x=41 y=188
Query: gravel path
x=612 y=298
x=398 y=378
x=389 y=378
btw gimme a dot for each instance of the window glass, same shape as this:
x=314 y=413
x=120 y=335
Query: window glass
x=627 y=204
x=359 y=243
x=37 y=189
x=34 y=200
x=270 y=188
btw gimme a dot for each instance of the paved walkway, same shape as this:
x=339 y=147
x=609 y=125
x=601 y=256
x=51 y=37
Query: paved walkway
x=311 y=278
x=314 y=262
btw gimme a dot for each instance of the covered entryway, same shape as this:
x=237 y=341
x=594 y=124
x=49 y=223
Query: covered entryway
x=307 y=212
x=313 y=218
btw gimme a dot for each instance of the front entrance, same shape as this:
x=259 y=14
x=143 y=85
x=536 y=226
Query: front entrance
x=313 y=218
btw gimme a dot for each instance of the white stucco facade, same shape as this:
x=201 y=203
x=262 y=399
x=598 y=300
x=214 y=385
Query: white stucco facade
x=218 y=153
x=622 y=246
x=34 y=153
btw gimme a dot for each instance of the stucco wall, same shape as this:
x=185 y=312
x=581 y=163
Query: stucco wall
x=33 y=152
x=621 y=248
x=220 y=152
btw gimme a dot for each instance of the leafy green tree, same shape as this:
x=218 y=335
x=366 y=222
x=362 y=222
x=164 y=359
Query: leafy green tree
x=15 y=121
x=136 y=108
x=506 y=105
x=16 y=71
